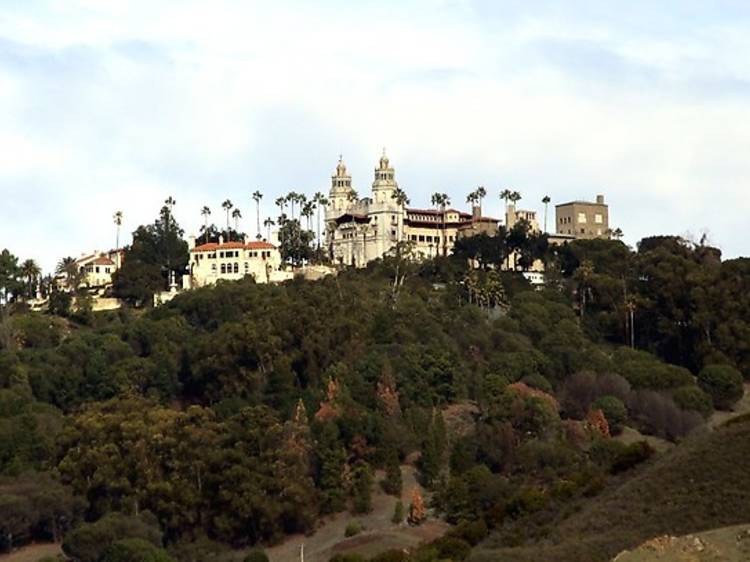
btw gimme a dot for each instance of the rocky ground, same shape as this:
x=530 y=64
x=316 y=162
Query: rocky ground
x=728 y=544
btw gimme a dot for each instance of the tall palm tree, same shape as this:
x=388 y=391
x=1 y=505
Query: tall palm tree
x=472 y=198
x=30 y=271
x=441 y=200
x=505 y=195
x=514 y=197
x=546 y=201
x=399 y=195
x=206 y=212
x=320 y=202
x=118 y=223
x=237 y=215
x=268 y=223
x=227 y=206
x=257 y=196
x=292 y=198
x=307 y=211
x=481 y=194
x=280 y=203
x=170 y=202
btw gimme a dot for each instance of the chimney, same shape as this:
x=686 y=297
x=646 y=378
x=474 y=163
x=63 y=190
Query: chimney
x=191 y=242
x=600 y=199
x=221 y=238
x=476 y=212
x=244 y=239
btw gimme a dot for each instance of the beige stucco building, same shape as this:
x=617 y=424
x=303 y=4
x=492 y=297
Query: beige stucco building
x=232 y=261
x=583 y=219
x=361 y=230
x=97 y=268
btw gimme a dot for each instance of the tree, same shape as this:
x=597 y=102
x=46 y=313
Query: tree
x=257 y=196
x=294 y=243
x=237 y=215
x=393 y=483
x=614 y=411
x=546 y=199
x=362 y=488
x=11 y=284
x=320 y=203
x=135 y=550
x=398 y=513
x=441 y=200
x=268 y=223
x=723 y=383
x=417 y=512
x=31 y=272
x=481 y=193
x=118 y=223
x=227 y=206
x=157 y=250
x=205 y=212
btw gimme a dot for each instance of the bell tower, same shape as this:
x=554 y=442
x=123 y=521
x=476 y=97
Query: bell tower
x=341 y=190
x=384 y=184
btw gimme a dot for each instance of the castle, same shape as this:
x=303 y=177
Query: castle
x=362 y=230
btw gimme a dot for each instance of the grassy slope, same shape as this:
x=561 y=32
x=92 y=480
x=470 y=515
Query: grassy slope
x=703 y=484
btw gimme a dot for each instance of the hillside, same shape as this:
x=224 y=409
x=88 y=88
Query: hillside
x=703 y=484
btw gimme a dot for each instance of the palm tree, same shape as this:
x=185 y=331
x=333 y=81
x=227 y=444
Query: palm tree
x=505 y=195
x=292 y=198
x=308 y=210
x=227 y=206
x=401 y=200
x=441 y=200
x=280 y=203
x=616 y=233
x=352 y=195
x=268 y=223
x=257 y=196
x=206 y=212
x=514 y=197
x=69 y=268
x=30 y=271
x=546 y=201
x=320 y=201
x=118 y=223
x=481 y=194
x=237 y=215
x=170 y=202
x=472 y=198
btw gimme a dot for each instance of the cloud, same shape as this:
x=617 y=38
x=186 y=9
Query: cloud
x=110 y=105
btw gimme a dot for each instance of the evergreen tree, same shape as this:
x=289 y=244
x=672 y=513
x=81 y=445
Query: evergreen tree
x=393 y=483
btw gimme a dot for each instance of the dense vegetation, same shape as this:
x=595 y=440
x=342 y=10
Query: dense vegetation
x=241 y=413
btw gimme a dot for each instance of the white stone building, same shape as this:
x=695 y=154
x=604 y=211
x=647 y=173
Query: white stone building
x=97 y=268
x=361 y=230
x=232 y=261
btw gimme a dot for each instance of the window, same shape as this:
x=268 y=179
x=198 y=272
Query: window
x=97 y=269
x=583 y=231
x=247 y=268
x=223 y=268
x=598 y=219
x=236 y=267
x=582 y=218
x=421 y=238
x=221 y=254
x=213 y=267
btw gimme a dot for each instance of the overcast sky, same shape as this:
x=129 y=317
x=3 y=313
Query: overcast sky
x=109 y=106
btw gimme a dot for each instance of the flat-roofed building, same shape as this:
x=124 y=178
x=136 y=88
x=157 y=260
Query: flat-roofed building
x=583 y=219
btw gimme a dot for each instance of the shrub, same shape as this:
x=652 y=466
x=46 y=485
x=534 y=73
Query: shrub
x=630 y=456
x=694 y=399
x=398 y=513
x=256 y=555
x=614 y=410
x=451 y=548
x=353 y=528
x=537 y=381
x=88 y=542
x=473 y=532
x=723 y=383
x=135 y=550
x=348 y=558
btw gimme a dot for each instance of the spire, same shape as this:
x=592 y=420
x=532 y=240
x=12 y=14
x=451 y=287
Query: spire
x=383 y=161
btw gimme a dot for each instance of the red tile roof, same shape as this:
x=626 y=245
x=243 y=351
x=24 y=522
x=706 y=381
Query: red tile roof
x=212 y=246
x=103 y=260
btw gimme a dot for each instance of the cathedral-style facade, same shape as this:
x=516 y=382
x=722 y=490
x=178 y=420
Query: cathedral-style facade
x=362 y=230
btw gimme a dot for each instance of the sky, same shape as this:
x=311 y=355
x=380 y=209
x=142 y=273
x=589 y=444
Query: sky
x=108 y=106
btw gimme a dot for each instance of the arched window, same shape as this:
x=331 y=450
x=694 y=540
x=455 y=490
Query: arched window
x=236 y=267
x=223 y=268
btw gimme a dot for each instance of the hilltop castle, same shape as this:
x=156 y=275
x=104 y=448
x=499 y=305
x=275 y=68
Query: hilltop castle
x=361 y=230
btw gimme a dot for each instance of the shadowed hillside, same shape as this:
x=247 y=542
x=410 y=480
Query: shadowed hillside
x=701 y=485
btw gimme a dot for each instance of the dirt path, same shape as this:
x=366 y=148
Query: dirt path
x=31 y=553
x=379 y=533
